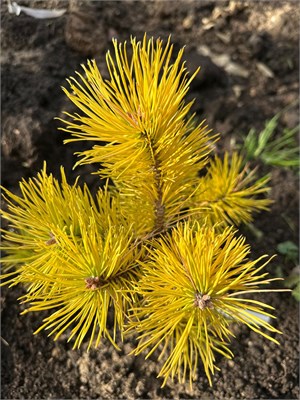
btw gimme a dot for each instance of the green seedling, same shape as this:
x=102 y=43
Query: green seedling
x=291 y=252
x=281 y=150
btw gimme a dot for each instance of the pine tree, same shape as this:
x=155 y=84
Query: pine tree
x=156 y=246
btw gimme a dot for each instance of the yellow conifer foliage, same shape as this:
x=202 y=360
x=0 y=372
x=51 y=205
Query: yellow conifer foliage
x=155 y=246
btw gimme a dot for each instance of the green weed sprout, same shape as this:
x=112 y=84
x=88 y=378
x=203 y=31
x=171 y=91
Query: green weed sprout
x=290 y=251
x=156 y=247
x=281 y=151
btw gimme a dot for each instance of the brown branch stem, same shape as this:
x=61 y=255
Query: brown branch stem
x=159 y=208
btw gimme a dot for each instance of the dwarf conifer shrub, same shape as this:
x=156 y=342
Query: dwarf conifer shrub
x=156 y=247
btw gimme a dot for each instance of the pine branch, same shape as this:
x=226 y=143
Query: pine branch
x=229 y=193
x=153 y=152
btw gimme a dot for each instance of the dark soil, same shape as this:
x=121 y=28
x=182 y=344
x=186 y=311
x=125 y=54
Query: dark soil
x=37 y=56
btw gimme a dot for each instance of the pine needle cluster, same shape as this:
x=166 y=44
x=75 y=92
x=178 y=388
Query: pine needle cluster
x=156 y=247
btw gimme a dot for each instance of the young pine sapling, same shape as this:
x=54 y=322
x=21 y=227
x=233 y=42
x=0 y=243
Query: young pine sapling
x=156 y=246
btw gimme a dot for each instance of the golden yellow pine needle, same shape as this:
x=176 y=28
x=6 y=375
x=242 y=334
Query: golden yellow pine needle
x=74 y=254
x=188 y=286
x=228 y=193
x=152 y=151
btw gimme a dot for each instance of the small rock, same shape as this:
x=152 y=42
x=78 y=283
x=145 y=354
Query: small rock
x=188 y=22
x=237 y=90
x=265 y=70
x=56 y=352
x=140 y=388
x=83 y=366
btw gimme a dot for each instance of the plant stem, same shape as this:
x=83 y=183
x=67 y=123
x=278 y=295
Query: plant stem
x=159 y=208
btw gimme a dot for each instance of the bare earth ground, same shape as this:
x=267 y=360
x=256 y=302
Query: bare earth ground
x=261 y=38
